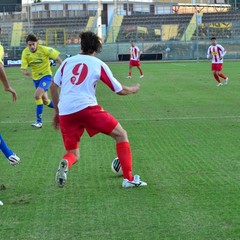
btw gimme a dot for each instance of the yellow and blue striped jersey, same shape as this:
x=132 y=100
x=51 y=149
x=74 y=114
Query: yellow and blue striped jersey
x=1 y=54
x=39 y=61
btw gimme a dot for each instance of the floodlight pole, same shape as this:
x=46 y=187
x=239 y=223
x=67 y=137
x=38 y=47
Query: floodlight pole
x=197 y=33
x=28 y=9
x=28 y=15
x=99 y=19
x=116 y=7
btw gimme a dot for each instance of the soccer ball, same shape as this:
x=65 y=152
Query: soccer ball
x=116 y=167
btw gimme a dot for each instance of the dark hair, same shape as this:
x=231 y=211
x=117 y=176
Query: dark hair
x=213 y=38
x=32 y=38
x=90 y=42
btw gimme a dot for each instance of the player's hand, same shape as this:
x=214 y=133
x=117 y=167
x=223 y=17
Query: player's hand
x=56 y=121
x=13 y=92
x=129 y=90
x=135 y=88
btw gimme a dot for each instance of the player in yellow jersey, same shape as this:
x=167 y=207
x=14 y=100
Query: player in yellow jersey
x=37 y=57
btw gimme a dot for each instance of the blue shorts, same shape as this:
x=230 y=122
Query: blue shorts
x=43 y=83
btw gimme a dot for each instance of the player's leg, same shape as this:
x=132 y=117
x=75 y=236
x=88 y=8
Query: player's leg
x=46 y=101
x=68 y=159
x=124 y=154
x=221 y=75
x=215 y=74
x=96 y=120
x=8 y=153
x=123 y=150
x=214 y=68
x=138 y=64
x=71 y=134
x=41 y=98
x=45 y=84
x=39 y=107
x=141 y=72
x=130 y=70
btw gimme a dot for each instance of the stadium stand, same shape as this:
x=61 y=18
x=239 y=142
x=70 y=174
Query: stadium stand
x=223 y=25
x=74 y=26
x=130 y=26
x=60 y=22
x=154 y=32
x=221 y=17
x=114 y=29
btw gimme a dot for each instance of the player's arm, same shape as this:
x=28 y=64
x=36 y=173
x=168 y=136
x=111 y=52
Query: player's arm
x=26 y=72
x=208 y=53
x=24 y=67
x=53 y=54
x=54 y=89
x=58 y=61
x=6 y=84
x=55 y=95
x=107 y=77
x=129 y=90
x=223 y=52
x=139 y=54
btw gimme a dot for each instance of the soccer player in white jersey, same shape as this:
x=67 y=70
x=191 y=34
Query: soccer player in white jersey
x=77 y=108
x=217 y=51
x=134 y=59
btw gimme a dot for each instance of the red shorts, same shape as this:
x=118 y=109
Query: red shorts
x=217 y=67
x=94 y=119
x=134 y=63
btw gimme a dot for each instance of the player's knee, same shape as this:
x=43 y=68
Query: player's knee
x=77 y=156
x=124 y=133
x=76 y=153
x=46 y=102
x=122 y=136
x=38 y=96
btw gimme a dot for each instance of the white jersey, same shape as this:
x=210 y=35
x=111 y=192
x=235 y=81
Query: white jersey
x=77 y=76
x=217 y=53
x=134 y=53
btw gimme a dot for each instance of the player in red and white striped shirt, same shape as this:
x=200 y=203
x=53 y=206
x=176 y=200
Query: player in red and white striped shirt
x=134 y=59
x=77 y=108
x=217 y=51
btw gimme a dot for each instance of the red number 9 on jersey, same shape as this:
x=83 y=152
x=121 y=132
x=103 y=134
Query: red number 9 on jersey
x=80 y=72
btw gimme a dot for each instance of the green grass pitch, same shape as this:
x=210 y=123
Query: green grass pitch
x=185 y=137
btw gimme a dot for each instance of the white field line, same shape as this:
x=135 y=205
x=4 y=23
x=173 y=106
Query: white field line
x=143 y=119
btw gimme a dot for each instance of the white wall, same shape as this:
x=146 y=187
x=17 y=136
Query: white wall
x=110 y=13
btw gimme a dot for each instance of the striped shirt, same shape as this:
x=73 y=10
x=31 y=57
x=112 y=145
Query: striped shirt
x=134 y=53
x=217 y=53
